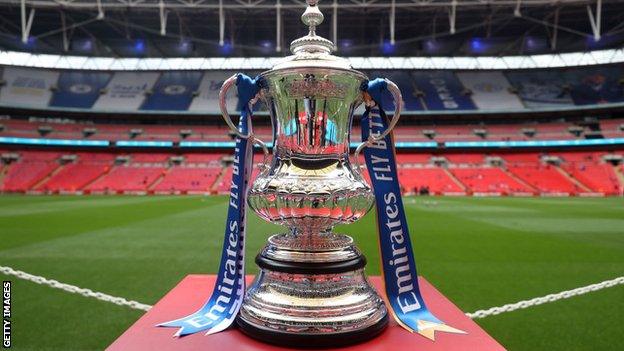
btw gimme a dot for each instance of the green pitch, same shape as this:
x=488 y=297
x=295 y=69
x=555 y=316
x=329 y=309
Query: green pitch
x=480 y=252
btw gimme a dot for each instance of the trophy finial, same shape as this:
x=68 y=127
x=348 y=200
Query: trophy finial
x=312 y=43
x=312 y=16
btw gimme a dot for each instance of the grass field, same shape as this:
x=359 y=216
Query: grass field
x=480 y=252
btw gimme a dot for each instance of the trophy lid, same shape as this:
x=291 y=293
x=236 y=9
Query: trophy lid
x=312 y=50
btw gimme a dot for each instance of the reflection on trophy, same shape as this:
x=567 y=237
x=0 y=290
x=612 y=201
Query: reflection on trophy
x=311 y=289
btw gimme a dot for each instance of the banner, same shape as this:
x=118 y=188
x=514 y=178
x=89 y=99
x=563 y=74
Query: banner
x=408 y=87
x=174 y=91
x=219 y=312
x=126 y=91
x=540 y=88
x=79 y=89
x=27 y=87
x=595 y=85
x=442 y=91
x=490 y=90
x=208 y=99
x=397 y=256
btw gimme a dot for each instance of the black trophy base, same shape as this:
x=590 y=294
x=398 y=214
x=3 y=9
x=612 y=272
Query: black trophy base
x=312 y=341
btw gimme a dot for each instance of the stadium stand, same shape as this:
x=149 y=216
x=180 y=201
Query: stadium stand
x=28 y=171
x=72 y=178
x=526 y=90
x=203 y=158
x=69 y=129
x=521 y=158
x=440 y=133
x=433 y=181
x=489 y=181
x=600 y=178
x=150 y=157
x=413 y=158
x=222 y=184
x=547 y=179
x=187 y=180
x=450 y=173
x=23 y=175
x=475 y=159
x=127 y=179
x=171 y=167
x=612 y=128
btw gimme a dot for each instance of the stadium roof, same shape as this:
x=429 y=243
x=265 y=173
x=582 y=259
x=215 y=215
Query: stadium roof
x=609 y=56
x=262 y=28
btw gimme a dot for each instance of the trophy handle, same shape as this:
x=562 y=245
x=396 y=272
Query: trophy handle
x=398 y=101
x=228 y=120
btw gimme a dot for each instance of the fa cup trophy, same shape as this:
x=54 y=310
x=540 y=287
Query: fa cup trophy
x=311 y=289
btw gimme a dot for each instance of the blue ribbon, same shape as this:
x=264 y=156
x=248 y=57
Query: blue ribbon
x=399 y=267
x=223 y=305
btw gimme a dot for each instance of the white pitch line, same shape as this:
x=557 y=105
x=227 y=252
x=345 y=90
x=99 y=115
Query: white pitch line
x=474 y=315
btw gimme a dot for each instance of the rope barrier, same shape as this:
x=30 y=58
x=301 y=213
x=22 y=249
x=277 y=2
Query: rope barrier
x=474 y=315
x=545 y=299
x=74 y=289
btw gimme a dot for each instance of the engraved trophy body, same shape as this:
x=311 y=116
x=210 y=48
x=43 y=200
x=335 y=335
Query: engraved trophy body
x=311 y=289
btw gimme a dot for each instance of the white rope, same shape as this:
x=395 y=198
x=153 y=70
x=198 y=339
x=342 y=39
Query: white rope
x=545 y=299
x=74 y=289
x=474 y=315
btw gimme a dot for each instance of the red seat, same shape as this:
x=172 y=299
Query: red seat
x=489 y=180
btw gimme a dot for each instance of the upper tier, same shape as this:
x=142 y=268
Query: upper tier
x=196 y=92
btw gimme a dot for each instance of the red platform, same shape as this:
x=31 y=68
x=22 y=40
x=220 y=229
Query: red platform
x=191 y=293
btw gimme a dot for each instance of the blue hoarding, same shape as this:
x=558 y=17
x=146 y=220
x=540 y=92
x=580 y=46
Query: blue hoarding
x=79 y=89
x=173 y=91
x=407 y=86
x=595 y=85
x=442 y=91
x=540 y=88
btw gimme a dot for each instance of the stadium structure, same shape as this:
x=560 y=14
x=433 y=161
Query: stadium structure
x=500 y=97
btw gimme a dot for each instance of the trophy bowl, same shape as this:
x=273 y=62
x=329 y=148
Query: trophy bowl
x=311 y=290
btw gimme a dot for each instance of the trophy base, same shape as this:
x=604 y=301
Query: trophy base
x=312 y=298
x=311 y=341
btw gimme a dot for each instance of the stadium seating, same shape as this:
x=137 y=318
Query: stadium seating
x=521 y=158
x=600 y=178
x=546 y=179
x=187 y=180
x=492 y=180
x=222 y=186
x=512 y=131
x=413 y=158
x=150 y=157
x=95 y=157
x=476 y=159
x=21 y=176
x=43 y=156
x=612 y=128
x=578 y=172
x=431 y=180
x=114 y=132
x=73 y=177
x=128 y=179
x=202 y=158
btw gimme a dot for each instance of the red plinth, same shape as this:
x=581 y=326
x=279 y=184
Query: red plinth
x=191 y=293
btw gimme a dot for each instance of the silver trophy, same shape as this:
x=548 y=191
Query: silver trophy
x=311 y=290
